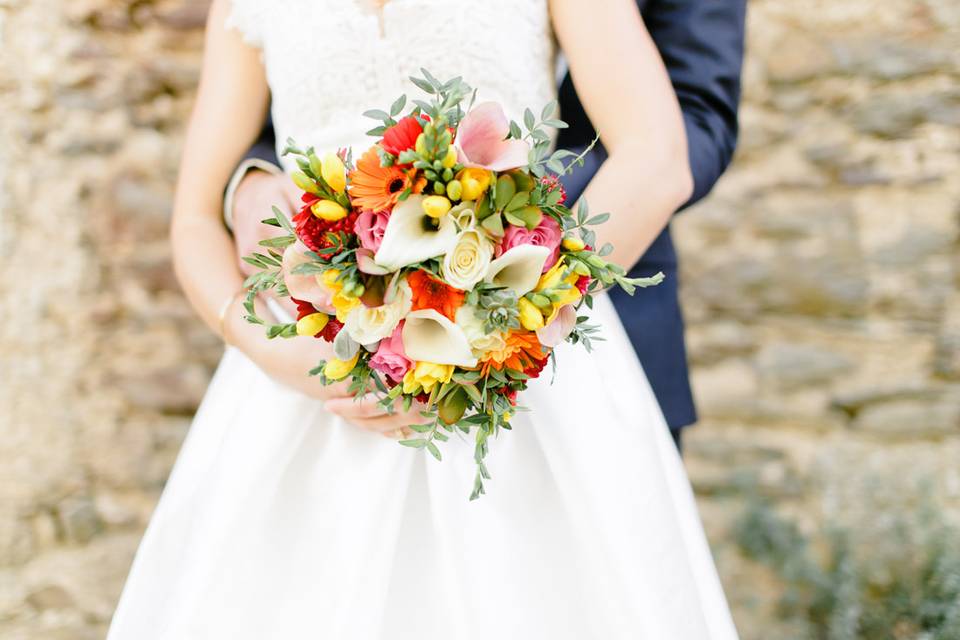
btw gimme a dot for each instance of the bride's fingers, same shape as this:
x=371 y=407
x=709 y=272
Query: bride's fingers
x=388 y=426
x=353 y=409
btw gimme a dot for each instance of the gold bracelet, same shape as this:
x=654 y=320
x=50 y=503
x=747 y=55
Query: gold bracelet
x=222 y=316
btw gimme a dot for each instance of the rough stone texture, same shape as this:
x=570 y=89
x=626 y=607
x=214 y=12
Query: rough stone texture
x=820 y=285
x=820 y=278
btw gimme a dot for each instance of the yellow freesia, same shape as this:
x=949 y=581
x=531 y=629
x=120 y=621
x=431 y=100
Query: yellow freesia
x=328 y=210
x=553 y=279
x=342 y=301
x=329 y=279
x=550 y=279
x=530 y=317
x=436 y=206
x=450 y=158
x=474 y=181
x=312 y=324
x=344 y=304
x=337 y=369
x=426 y=375
x=333 y=172
x=572 y=243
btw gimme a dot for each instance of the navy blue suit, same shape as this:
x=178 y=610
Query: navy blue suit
x=701 y=42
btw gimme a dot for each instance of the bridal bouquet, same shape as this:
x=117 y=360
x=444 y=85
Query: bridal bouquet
x=443 y=263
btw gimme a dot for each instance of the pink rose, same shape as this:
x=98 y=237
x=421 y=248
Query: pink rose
x=370 y=227
x=547 y=234
x=390 y=358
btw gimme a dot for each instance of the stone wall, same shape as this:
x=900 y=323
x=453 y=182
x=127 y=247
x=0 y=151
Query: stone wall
x=820 y=279
x=820 y=285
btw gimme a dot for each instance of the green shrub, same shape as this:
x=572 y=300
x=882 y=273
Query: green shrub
x=896 y=580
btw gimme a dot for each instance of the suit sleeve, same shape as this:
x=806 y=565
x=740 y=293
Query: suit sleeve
x=265 y=148
x=701 y=42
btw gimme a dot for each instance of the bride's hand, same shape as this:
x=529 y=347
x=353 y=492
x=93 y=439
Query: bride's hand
x=286 y=360
x=366 y=413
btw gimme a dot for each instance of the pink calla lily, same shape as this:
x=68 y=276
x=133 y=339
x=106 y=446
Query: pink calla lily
x=558 y=330
x=481 y=140
x=367 y=264
x=303 y=287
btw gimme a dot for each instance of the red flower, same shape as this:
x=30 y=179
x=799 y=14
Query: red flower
x=331 y=330
x=304 y=309
x=320 y=234
x=430 y=293
x=582 y=283
x=551 y=183
x=536 y=367
x=401 y=136
x=508 y=393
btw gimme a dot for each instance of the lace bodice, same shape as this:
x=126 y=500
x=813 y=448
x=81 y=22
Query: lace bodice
x=328 y=61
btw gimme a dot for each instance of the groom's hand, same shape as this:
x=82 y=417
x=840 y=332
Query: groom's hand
x=253 y=202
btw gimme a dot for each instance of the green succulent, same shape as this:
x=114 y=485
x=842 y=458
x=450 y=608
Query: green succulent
x=497 y=307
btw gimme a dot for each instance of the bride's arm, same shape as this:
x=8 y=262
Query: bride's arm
x=231 y=102
x=229 y=110
x=626 y=92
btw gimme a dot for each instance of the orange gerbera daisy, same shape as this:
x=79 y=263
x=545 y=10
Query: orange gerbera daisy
x=521 y=352
x=377 y=188
x=430 y=293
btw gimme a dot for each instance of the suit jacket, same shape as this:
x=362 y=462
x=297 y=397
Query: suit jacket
x=701 y=43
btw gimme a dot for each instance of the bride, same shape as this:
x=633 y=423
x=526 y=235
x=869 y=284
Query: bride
x=289 y=515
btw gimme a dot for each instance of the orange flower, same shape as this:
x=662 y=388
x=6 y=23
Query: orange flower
x=430 y=293
x=377 y=188
x=521 y=352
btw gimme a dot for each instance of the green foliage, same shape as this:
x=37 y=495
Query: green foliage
x=851 y=584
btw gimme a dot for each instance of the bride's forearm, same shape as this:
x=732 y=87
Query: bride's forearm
x=205 y=264
x=229 y=110
x=641 y=189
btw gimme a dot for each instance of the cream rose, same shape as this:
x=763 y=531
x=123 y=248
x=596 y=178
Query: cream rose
x=480 y=341
x=368 y=325
x=466 y=264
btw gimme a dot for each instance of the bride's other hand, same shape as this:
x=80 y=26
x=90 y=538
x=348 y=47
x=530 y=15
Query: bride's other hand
x=366 y=413
x=227 y=117
x=286 y=360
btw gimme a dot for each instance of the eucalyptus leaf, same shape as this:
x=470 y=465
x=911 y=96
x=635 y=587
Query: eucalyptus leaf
x=376 y=114
x=528 y=119
x=344 y=346
x=599 y=219
x=398 y=105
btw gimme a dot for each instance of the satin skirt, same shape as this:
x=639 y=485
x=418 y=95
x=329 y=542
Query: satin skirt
x=281 y=521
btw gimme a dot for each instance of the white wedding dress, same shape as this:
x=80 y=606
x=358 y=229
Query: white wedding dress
x=282 y=522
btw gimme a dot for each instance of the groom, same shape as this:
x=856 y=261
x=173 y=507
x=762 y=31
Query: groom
x=701 y=43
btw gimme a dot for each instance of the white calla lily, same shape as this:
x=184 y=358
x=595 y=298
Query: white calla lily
x=429 y=336
x=519 y=268
x=410 y=236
